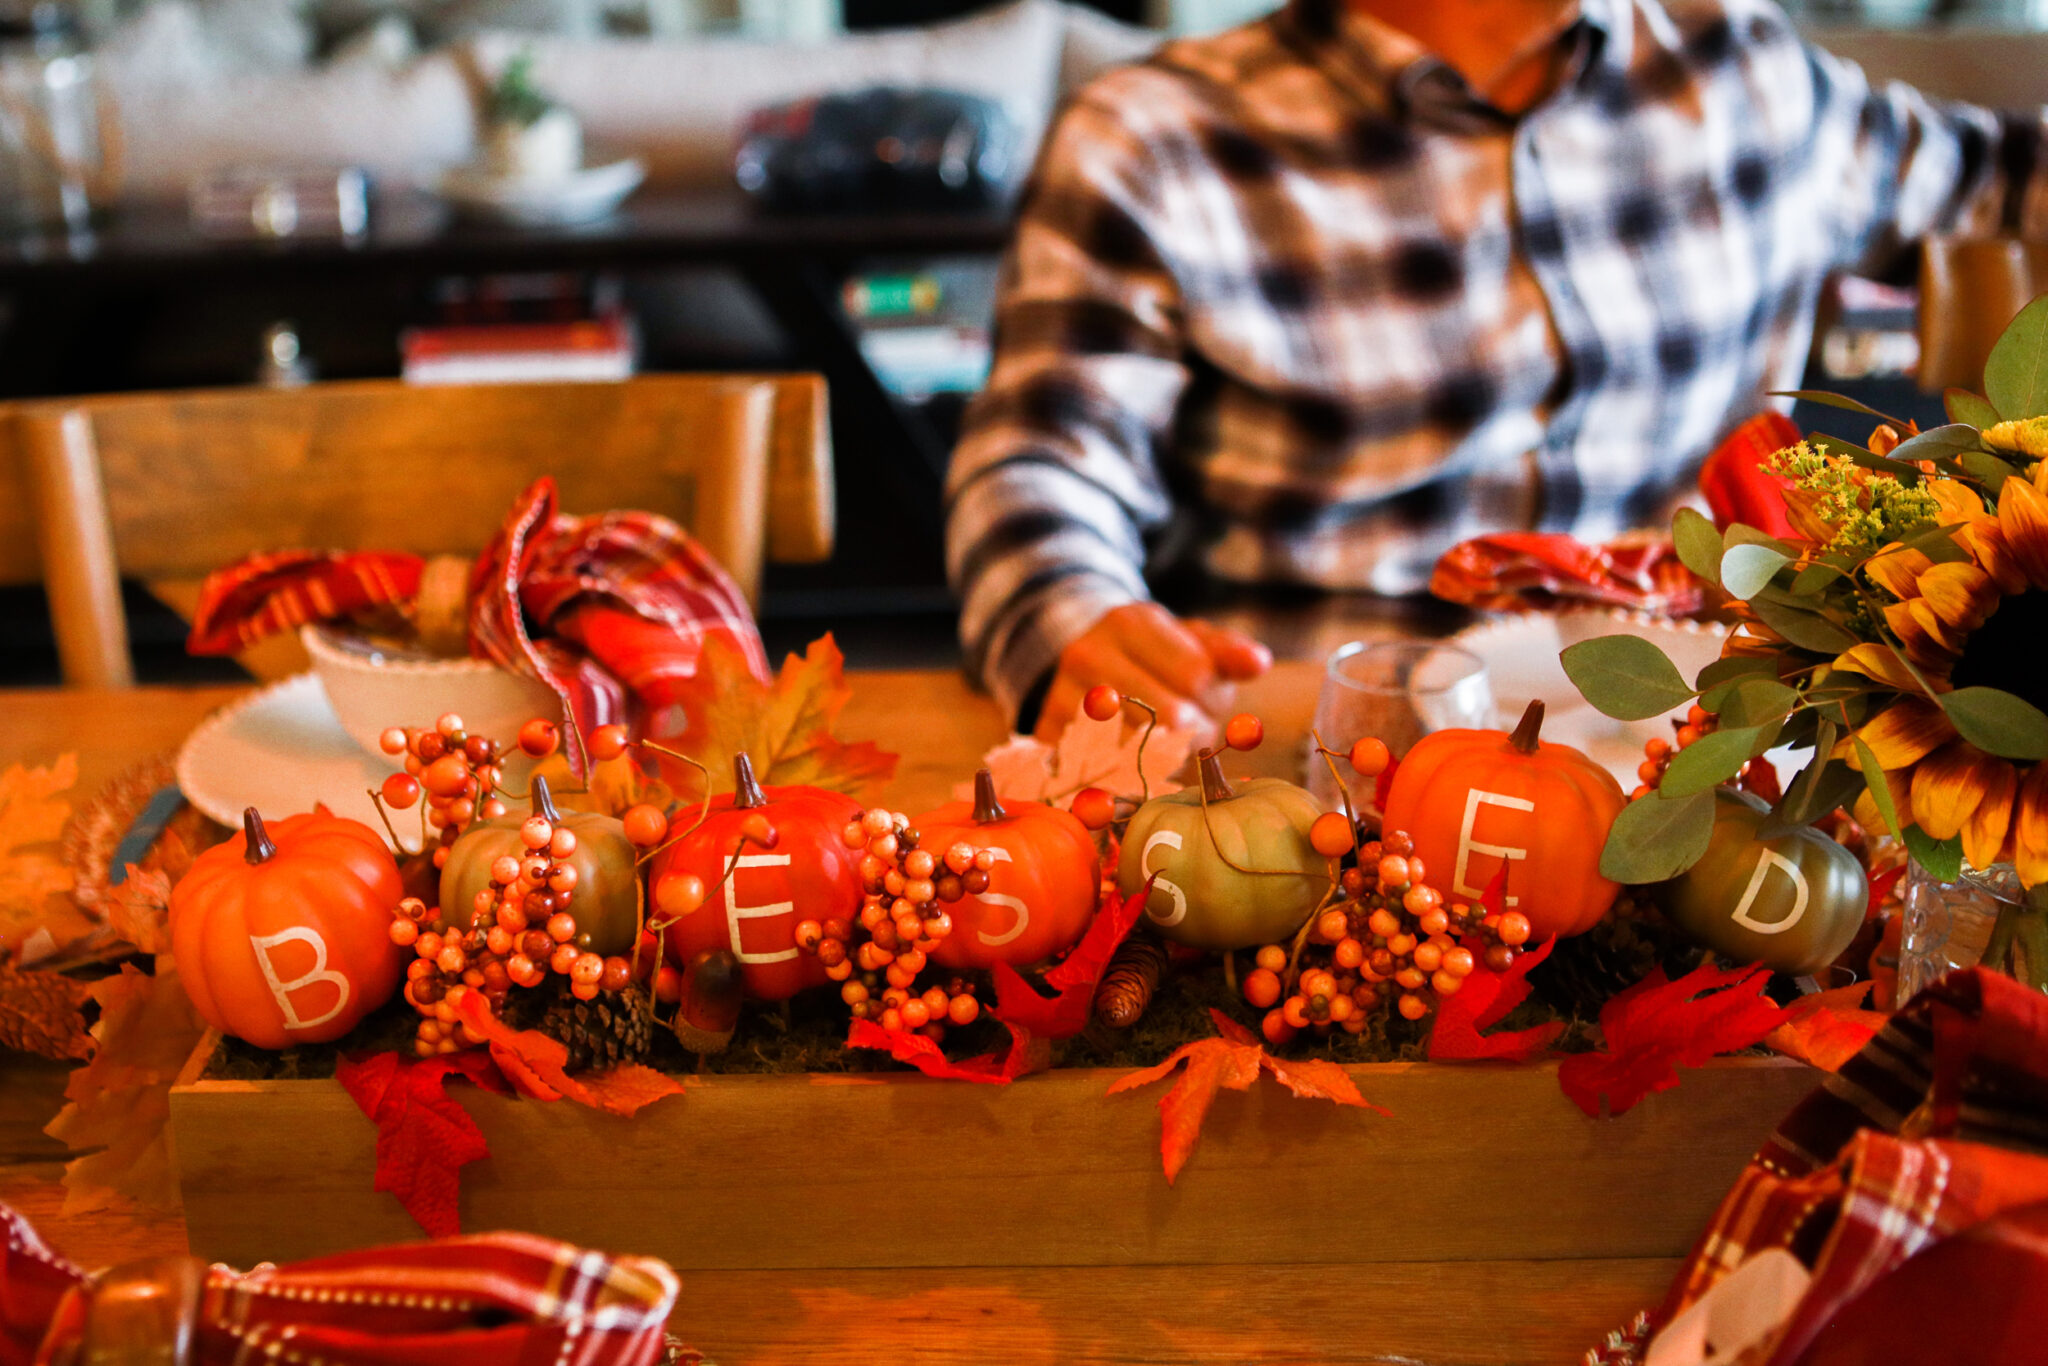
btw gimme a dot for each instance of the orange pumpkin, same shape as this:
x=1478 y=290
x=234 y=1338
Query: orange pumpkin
x=282 y=934
x=1042 y=890
x=1472 y=799
x=810 y=874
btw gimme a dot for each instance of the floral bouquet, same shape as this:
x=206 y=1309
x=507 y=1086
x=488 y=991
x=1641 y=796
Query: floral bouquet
x=1893 y=634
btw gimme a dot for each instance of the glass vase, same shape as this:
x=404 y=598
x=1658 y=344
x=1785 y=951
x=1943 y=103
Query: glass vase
x=1983 y=918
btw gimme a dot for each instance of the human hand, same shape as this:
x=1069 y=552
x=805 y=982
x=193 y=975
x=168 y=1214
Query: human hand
x=1186 y=669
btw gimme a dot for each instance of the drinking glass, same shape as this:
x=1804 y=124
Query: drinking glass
x=1400 y=691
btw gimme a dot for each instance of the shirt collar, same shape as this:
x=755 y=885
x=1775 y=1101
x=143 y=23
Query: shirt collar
x=1391 y=72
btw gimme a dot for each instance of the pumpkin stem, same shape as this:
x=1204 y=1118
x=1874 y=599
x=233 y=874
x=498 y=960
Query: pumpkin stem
x=1215 y=787
x=257 y=847
x=1524 y=740
x=987 y=807
x=746 y=789
x=544 y=801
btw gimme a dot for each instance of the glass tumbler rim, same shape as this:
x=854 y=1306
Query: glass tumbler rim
x=1333 y=668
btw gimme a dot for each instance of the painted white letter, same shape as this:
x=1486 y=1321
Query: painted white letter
x=737 y=915
x=1467 y=846
x=1800 y=893
x=1160 y=884
x=282 y=990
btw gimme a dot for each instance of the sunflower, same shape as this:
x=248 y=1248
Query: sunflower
x=1979 y=620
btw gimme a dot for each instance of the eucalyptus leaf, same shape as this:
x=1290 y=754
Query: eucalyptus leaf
x=1626 y=677
x=1658 y=838
x=1799 y=730
x=2016 y=373
x=1842 y=401
x=1713 y=759
x=1733 y=667
x=1823 y=787
x=1747 y=570
x=1880 y=790
x=1943 y=859
x=1815 y=578
x=1997 y=722
x=1805 y=628
x=1698 y=544
x=1744 y=534
x=1988 y=470
x=1964 y=406
x=1936 y=442
x=1756 y=702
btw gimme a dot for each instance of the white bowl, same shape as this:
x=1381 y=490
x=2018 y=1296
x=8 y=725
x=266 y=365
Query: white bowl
x=371 y=691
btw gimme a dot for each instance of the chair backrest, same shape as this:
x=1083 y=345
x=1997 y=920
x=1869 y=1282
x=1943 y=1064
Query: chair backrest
x=172 y=486
x=1969 y=291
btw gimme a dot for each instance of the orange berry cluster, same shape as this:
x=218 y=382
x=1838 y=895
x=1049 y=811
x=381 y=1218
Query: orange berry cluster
x=877 y=956
x=1657 y=751
x=1392 y=939
x=459 y=774
x=518 y=931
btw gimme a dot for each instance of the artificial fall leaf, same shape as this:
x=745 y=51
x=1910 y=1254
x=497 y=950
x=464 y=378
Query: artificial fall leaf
x=1483 y=1002
x=1074 y=980
x=120 y=1101
x=139 y=907
x=537 y=1066
x=785 y=727
x=1658 y=1026
x=613 y=787
x=1384 y=784
x=424 y=1138
x=39 y=1013
x=1232 y=1061
x=1090 y=753
x=630 y=1088
x=1024 y=1055
x=32 y=817
x=1828 y=1028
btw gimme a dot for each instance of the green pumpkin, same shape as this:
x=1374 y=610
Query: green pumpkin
x=1198 y=897
x=607 y=899
x=1792 y=902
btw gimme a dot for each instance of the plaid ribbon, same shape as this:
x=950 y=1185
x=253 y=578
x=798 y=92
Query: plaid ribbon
x=1940 y=1123
x=503 y=1299
x=1519 y=570
x=610 y=611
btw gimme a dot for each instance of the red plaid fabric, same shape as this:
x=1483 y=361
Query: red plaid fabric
x=610 y=611
x=1734 y=481
x=1940 y=1123
x=1519 y=570
x=285 y=589
x=505 y=1299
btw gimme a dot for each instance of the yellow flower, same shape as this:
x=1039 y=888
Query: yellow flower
x=2028 y=436
x=1980 y=621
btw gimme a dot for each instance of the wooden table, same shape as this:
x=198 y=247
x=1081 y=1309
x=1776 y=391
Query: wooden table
x=1438 y=1312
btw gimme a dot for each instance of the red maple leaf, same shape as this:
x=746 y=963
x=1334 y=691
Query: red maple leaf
x=424 y=1138
x=1066 y=1014
x=1384 y=784
x=1232 y=1061
x=1483 y=1002
x=907 y=1046
x=1881 y=888
x=1658 y=1026
x=1828 y=1028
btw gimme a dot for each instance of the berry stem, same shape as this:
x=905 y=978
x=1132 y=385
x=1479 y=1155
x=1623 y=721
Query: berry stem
x=377 y=800
x=1151 y=724
x=257 y=847
x=1329 y=757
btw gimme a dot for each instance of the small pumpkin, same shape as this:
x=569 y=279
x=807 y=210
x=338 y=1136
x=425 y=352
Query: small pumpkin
x=1793 y=901
x=1042 y=890
x=1231 y=864
x=607 y=898
x=282 y=934
x=1473 y=799
x=810 y=874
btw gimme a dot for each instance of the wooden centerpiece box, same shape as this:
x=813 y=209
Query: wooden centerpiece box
x=1485 y=1199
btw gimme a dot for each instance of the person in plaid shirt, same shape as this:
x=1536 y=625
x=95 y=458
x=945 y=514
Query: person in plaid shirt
x=1357 y=281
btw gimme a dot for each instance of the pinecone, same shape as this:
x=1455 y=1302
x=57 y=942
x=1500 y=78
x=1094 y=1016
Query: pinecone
x=1586 y=970
x=608 y=1031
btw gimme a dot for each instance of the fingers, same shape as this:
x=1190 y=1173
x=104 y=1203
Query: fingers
x=1162 y=645
x=1236 y=656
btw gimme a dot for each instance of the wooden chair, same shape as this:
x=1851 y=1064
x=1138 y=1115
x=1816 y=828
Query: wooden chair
x=167 y=487
x=1969 y=291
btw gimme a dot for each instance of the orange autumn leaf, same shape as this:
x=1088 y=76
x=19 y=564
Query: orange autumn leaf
x=628 y=1089
x=32 y=816
x=1231 y=1061
x=1828 y=1028
x=118 y=1104
x=785 y=727
x=537 y=1066
x=139 y=907
x=39 y=1013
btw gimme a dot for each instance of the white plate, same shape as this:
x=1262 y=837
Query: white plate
x=1521 y=662
x=579 y=197
x=281 y=750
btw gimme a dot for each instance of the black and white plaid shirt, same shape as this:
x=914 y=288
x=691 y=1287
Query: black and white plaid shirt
x=1300 y=282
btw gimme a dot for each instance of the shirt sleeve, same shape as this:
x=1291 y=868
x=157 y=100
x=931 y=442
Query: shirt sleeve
x=1915 y=166
x=1055 y=479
